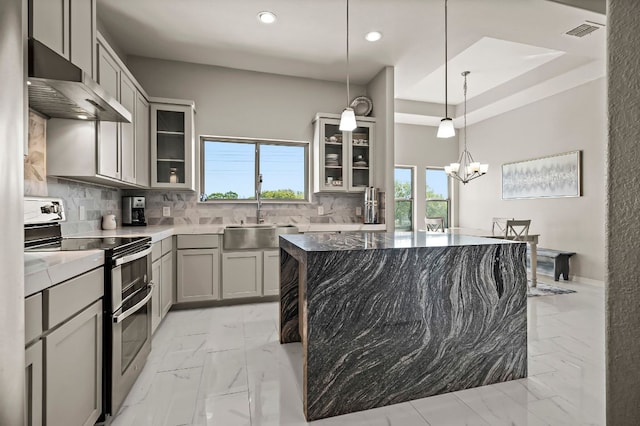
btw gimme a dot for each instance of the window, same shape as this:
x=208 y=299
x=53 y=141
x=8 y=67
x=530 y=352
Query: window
x=437 y=194
x=403 y=184
x=230 y=169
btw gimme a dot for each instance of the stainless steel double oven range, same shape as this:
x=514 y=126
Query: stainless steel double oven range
x=127 y=296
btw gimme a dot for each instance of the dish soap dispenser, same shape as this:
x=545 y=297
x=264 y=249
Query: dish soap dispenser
x=109 y=221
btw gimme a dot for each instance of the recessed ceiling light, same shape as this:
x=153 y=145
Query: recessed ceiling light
x=267 y=17
x=373 y=36
x=82 y=117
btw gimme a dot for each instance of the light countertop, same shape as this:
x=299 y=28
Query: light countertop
x=44 y=269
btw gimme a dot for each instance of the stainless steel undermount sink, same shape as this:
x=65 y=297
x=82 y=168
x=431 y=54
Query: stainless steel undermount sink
x=255 y=236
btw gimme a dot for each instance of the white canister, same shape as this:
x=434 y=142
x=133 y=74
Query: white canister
x=109 y=221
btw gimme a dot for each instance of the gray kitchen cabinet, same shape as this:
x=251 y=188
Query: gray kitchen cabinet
x=142 y=140
x=108 y=140
x=73 y=370
x=241 y=274
x=34 y=395
x=156 y=305
x=271 y=273
x=343 y=161
x=167 y=287
x=127 y=131
x=172 y=144
x=198 y=277
x=69 y=28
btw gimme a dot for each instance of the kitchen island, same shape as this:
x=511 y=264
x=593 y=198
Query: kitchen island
x=385 y=318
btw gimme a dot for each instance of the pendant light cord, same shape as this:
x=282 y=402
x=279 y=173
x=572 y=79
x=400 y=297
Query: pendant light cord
x=446 y=82
x=348 y=96
x=465 y=108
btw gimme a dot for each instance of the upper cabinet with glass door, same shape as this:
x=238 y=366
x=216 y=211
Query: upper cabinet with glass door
x=342 y=160
x=172 y=144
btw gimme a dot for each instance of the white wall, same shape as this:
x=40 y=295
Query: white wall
x=418 y=146
x=572 y=120
x=12 y=134
x=232 y=102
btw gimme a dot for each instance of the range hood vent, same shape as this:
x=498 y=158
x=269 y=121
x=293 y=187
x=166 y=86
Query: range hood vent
x=584 y=29
x=58 y=88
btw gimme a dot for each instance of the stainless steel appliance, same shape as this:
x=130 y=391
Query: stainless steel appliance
x=133 y=211
x=127 y=300
x=371 y=205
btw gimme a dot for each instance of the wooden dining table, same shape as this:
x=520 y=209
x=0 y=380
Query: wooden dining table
x=532 y=240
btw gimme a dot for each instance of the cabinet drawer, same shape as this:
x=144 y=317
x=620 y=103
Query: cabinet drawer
x=65 y=300
x=167 y=245
x=198 y=241
x=156 y=251
x=32 y=317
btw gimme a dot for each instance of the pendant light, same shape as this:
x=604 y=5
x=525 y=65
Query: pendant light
x=348 y=117
x=446 y=129
x=466 y=168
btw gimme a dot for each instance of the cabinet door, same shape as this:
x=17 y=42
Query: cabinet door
x=142 y=140
x=108 y=132
x=172 y=146
x=73 y=373
x=198 y=275
x=33 y=380
x=166 y=290
x=127 y=132
x=241 y=274
x=361 y=143
x=51 y=24
x=333 y=156
x=82 y=34
x=271 y=276
x=156 y=304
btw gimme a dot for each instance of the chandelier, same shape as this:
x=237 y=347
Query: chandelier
x=466 y=169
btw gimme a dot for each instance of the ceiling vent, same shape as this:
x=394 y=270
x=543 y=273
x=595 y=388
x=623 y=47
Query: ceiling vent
x=584 y=29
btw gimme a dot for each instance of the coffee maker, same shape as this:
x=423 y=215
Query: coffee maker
x=133 y=211
x=371 y=205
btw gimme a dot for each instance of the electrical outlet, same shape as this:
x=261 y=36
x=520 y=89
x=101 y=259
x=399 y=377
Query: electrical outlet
x=320 y=210
x=82 y=213
x=166 y=211
x=358 y=211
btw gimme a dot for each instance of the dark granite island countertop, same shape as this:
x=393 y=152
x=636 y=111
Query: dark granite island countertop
x=386 y=318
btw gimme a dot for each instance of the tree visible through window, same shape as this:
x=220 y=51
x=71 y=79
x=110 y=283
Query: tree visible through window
x=231 y=169
x=437 y=194
x=403 y=185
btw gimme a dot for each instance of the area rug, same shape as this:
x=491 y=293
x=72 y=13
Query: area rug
x=543 y=289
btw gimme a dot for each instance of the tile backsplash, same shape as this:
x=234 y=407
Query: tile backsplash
x=184 y=206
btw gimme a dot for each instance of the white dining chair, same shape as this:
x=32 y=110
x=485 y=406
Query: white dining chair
x=517 y=230
x=499 y=225
x=434 y=224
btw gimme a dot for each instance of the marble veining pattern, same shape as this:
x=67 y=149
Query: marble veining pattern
x=385 y=326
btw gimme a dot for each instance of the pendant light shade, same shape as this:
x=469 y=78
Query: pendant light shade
x=446 y=129
x=348 y=120
x=348 y=117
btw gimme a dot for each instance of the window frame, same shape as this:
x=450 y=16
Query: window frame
x=447 y=200
x=257 y=142
x=412 y=199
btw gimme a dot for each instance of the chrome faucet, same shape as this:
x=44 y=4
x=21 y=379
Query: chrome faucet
x=259 y=218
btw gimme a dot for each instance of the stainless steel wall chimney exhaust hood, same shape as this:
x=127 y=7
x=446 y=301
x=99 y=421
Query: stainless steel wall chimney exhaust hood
x=58 y=88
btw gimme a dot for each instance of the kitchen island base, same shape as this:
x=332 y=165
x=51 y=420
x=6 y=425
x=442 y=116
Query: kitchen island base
x=382 y=323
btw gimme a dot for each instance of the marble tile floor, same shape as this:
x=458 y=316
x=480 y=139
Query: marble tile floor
x=225 y=367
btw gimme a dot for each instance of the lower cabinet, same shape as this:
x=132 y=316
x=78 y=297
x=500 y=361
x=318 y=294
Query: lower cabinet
x=250 y=274
x=73 y=370
x=166 y=283
x=156 y=304
x=162 y=275
x=241 y=274
x=198 y=274
x=271 y=273
x=34 y=394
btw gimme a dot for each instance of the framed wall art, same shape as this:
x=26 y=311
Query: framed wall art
x=546 y=177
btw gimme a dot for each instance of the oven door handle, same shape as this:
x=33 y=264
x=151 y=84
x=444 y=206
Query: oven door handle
x=134 y=256
x=119 y=318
